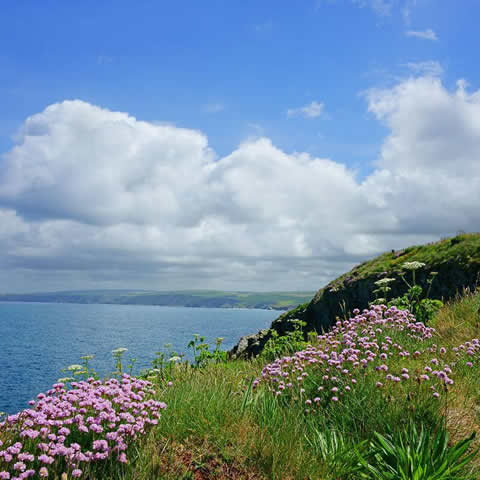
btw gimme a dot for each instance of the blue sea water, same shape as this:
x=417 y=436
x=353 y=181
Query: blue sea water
x=37 y=340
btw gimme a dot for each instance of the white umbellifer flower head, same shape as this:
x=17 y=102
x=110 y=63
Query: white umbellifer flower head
x=74 y=368
x=65 y=379
x=412 y=265
x=384 y=281
x=175 y=358
x=87 y=357
x=120 y=350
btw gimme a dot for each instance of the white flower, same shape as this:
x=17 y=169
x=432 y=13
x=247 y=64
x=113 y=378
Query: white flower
x=73 y=368
x=412 y=265
x=118 y=351
x=384 y=281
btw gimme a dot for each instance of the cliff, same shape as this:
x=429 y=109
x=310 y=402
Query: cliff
x=456 y=260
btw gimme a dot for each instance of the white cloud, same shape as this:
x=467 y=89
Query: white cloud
x=429 y=68
x=428 y=34
x=90 y=198
x=429 y=171
x=312 y=110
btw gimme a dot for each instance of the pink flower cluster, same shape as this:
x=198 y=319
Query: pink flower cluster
x=471 y=349
x=66 y=430
x=376 y=342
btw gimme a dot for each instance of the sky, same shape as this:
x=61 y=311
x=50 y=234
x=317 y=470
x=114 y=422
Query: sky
x=254 y=145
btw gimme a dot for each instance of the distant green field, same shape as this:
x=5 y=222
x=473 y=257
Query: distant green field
x=180 y=298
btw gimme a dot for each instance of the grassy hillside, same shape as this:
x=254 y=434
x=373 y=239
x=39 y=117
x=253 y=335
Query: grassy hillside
x=455 y=261
x=464 y=249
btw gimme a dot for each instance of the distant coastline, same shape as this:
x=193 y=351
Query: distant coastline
x=194 y=299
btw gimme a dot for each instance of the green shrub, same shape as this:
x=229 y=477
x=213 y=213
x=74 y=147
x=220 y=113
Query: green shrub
x=288 y=344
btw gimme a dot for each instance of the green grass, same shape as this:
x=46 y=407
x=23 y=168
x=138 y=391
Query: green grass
x=464 y=246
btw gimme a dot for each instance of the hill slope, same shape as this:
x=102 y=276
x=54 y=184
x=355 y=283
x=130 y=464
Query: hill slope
x=456 y=260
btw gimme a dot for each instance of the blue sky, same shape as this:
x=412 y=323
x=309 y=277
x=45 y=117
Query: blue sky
x=303 y=75
x=181 y=62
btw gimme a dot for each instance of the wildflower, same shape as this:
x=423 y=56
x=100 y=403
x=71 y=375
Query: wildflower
x=43 y=472
x=76 y=473
x=20 y=466
x=334 y=399
x=412 y=265
x=384 y=281
x=119 y=351
x=73 y=368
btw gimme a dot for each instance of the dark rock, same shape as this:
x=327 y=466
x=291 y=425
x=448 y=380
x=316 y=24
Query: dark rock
x=250 y=345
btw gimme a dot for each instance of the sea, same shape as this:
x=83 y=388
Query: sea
x=38 y=340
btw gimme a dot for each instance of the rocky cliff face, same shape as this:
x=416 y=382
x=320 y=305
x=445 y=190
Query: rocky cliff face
x=456 y=261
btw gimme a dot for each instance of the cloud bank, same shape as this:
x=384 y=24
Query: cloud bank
x=95 y=198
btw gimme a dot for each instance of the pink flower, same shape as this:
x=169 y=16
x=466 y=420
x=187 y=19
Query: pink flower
x=20 y=466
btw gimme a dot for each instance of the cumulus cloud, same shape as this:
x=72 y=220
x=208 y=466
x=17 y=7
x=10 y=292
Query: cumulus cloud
x=429 y=173
x=428 y=34
x=312 y=110
x=95 y=198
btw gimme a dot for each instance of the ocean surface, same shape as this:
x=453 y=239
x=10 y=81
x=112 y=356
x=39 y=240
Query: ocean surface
x=37 y=340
